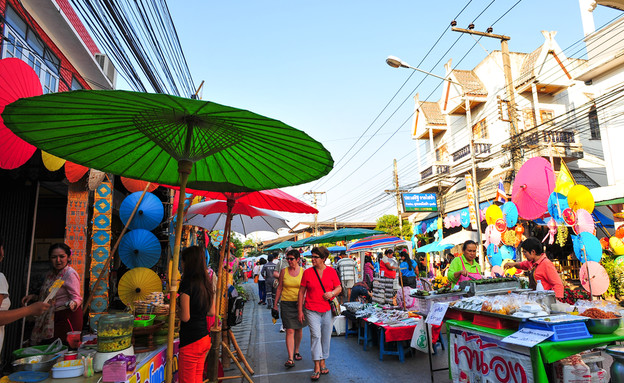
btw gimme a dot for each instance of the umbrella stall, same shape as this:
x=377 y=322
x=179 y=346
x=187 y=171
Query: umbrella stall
x=170 y=140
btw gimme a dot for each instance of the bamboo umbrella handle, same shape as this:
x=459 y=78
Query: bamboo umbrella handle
x=402 y=291
x=85 y=306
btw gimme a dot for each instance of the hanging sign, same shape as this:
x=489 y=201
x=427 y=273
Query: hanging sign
x=419 y=202
x=437 y=312
x=471 y=202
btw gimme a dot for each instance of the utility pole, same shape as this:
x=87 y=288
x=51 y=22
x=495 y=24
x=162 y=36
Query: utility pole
x=314 y=194
x=397 y=192
x=511 y=98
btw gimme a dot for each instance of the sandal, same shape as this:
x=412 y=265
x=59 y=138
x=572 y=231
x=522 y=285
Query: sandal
x=324 y=371
x=297 y=356
x=289 y=363
x=315 y=376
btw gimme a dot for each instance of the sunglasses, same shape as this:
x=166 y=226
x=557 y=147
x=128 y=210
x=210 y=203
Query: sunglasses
x=315 y=257
x=290 y=259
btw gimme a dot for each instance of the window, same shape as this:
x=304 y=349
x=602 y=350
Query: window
x=479 y=130
x=529 y=118
x=442 y=154
x=76 y=84
x=594 y=125
x=547 y=116
x=23 y=43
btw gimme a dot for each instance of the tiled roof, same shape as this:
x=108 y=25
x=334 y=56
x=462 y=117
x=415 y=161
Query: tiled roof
x=470 y=82
x=432 y=113
x=528 y=66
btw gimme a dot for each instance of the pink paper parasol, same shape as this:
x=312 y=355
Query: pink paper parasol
x=17 y=80
x=532 y=187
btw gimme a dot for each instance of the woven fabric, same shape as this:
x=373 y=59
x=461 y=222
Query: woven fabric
x=101 y=244
x=76 y=227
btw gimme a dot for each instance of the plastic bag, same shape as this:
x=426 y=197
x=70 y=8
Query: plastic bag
x=53 y=348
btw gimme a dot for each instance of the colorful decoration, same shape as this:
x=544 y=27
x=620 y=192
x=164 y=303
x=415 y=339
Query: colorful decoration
x=587 y=246
x=619 y=261
x=584 y=222
x=569 y=216
x=464 y=216
x=532 y=187
x=562 y=235
x=619 y=232
x=509 y=238
x=510 y=271
x=510 y=214
x=497 y=271
x=617 y=246
x=492 y=214
x=519 y=230
x=51 y=162
x=565 y=181
x=557 y=203
x=595 y=274
x=492 y=236
x=76 y=228
x=604 y=242
x=552 y=232
x=579 y=197
x=137 y=284
x=148 y=215
x=496 y=259
x=101 y=245
x=216 y=237
x=74 y=172
x=133 y=185
x=508 y=252
x=500 y=225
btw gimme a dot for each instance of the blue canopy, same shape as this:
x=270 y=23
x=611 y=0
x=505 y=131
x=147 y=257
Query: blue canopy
x=434 y=246
x=336 y=249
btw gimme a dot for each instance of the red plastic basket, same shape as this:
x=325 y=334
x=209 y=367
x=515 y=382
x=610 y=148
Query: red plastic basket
x=493 y=322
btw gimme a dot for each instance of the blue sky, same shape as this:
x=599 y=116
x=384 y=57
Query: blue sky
x=320 y=67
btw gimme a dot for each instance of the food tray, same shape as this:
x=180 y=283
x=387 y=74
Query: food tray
x=489 y=288
x=67 y=369
x=145 y=322
x=423 y=304
x=562 y=331
x=557 y=319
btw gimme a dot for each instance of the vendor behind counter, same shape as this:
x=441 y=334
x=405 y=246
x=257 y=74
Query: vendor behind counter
x=465 y=266
x=539 y=267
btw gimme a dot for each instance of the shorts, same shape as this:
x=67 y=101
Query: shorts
x=348 y=284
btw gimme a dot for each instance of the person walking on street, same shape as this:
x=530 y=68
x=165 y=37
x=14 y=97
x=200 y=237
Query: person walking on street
x=315 y=297
x=287 y=295
x=347 y=269
x=261 y=282
x=269 y=278
x=196 y=303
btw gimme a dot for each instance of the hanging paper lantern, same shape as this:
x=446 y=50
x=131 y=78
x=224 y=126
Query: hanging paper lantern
x=579 y=197
x=519 y=230
x=619 y=232
x=500 y=225
x=617 y=246
x=493 y=213
x=569 y=216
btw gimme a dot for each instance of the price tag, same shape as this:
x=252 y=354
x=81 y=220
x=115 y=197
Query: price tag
x=437 y=312
x=528 y=337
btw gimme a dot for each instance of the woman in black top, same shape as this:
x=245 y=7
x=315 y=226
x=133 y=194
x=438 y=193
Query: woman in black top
x=196 y=302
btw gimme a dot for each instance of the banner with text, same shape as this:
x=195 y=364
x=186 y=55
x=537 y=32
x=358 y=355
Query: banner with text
x=480 y=358
x=420 y=202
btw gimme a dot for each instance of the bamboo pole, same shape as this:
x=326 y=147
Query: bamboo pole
x=225 y=347
x=85 y=305
x=240 y=353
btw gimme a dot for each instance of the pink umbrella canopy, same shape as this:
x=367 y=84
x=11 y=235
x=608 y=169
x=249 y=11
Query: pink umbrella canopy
x=17 y=80
x=532 y=187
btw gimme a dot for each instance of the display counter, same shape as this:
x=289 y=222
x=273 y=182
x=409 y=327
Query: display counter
x=478 y=351
x=150 y=368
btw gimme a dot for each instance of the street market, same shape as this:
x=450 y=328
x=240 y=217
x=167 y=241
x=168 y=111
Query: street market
x=146 y=236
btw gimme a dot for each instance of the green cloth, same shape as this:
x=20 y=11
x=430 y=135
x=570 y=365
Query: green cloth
x=456 y=265
x=547 y=351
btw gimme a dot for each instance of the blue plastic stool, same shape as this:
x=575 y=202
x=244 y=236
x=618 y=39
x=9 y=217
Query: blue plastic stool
x=382 y=347
x=439 y=342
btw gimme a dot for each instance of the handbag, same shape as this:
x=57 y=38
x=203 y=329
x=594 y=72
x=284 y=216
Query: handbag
x=334 y=305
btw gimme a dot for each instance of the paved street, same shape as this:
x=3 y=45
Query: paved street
x=265 y=350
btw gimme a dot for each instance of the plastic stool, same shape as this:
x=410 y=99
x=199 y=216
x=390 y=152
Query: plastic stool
x=439 y=342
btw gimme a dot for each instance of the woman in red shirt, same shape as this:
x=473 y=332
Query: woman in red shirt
x=315 y=298
x=539 y=267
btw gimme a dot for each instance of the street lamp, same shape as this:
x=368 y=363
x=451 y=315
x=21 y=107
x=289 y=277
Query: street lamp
x=396 y=62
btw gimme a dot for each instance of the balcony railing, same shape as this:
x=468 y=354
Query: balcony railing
x=435 y=169
x=549 y=136
x=465 y=151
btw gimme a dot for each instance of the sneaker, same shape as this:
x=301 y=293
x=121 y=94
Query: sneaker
x=261 y=303
x=282 y=329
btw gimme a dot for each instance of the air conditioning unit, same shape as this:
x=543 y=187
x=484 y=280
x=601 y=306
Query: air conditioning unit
x=107 y=67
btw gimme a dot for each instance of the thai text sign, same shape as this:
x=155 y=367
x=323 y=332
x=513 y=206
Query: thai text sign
x=471 y=202
x=475 y=357
x=420 y=202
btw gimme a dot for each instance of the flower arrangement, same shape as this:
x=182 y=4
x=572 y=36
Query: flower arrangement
x=571 y=296
x=440 y=282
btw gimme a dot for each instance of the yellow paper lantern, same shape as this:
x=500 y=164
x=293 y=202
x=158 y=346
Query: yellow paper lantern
x=616 y=245
x=493 y=213
x=52 y=162
x=579 y=197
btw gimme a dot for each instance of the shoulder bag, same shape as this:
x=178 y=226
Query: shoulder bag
x=333 y=304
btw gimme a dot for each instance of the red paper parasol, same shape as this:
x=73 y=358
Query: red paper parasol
x=273 y=199
x=133 y=185
x=17 y=80
x=532 y=187
x=74 y=172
